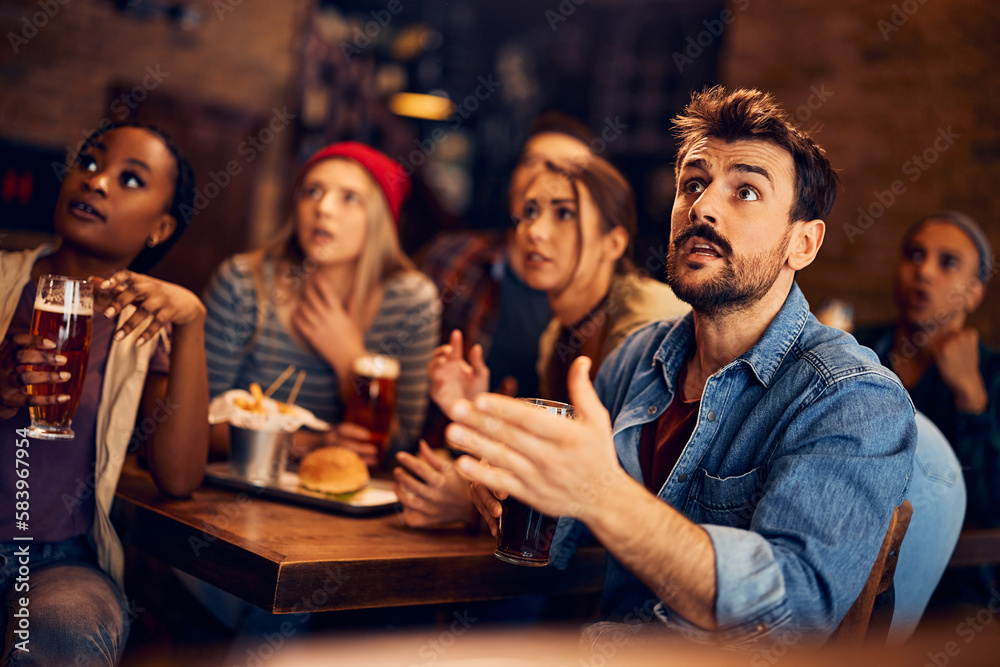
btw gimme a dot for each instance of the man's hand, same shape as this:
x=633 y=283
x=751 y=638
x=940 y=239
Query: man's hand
x=487 y=503
x=560 y=467
x=570 y=468
x=452 y=377
x=17 y=352
x=956 y=355
x=430 y=489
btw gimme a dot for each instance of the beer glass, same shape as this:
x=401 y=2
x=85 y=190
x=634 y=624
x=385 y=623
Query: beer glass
x=525 y=534
x=64 y=308
x=371 y=398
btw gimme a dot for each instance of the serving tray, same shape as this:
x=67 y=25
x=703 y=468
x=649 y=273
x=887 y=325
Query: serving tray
x=378 y=497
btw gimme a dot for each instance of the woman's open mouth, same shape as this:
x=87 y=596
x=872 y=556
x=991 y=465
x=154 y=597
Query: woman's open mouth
x=535 y=259
x=918 y=297
x=322 y=237
x=85 y=211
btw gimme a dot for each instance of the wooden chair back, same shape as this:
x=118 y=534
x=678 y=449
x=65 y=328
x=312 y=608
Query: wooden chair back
x=855 y=628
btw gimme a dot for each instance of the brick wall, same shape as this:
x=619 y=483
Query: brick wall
x=880 y=93
x=884 y=88
x=53 y=86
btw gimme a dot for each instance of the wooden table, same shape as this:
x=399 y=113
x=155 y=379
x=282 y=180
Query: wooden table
x=286 y=558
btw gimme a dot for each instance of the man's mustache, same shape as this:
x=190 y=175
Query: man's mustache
x=706 y=232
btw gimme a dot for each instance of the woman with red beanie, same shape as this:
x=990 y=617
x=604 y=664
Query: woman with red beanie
x=332 y=284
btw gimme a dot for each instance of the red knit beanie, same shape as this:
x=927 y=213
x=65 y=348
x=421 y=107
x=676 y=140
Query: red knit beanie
x=388 y=173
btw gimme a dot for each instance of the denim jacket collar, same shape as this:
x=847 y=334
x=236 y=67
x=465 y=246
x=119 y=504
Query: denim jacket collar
x=763 y=358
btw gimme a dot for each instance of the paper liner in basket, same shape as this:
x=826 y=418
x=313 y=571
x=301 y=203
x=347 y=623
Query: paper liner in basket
x=223 y=408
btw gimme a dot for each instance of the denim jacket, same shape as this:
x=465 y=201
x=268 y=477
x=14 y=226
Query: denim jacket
x=802 y=447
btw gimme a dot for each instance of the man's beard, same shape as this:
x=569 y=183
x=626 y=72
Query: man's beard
x=740 y=283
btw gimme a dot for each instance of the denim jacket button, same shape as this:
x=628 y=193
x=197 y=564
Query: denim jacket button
x=711 y=416
x=682 y=477
x=652 y=410
x=761 y=627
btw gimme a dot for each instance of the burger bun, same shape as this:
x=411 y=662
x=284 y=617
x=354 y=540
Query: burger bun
x=333 y=470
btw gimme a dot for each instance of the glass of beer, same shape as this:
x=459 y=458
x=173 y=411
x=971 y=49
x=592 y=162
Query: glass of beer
x=64 y=308
x=525 y=534
x=371 y=398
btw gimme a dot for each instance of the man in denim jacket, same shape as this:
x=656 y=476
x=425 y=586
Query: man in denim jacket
x=746 y=474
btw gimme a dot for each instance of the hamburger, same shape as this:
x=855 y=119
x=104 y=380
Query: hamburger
x=333 y=470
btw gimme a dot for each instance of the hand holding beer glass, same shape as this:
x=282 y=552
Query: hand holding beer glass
x=64 y=308
x=525 y=534
x=370 y=401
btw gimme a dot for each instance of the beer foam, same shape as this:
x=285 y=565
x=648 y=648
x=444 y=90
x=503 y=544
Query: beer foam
x=78 y=309
x=377 y=366
x=52 y=299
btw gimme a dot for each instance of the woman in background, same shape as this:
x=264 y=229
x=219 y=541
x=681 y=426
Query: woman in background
x=945 y=264
x=575 y=233
x=332 y=284
x=122 y=204
x=575 y=224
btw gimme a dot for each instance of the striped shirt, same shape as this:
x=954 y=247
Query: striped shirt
x=406 y=327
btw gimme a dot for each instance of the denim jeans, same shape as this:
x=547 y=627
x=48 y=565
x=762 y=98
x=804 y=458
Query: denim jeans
x=76 y=613
x=937 y=493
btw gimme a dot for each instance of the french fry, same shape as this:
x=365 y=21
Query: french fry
x=258 y=395
x=255 y=404
x=248 y=405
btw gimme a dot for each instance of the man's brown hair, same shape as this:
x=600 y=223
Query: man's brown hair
x=746 y=114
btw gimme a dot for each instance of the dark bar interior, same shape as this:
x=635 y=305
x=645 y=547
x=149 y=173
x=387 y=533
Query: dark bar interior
x=901 y=94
